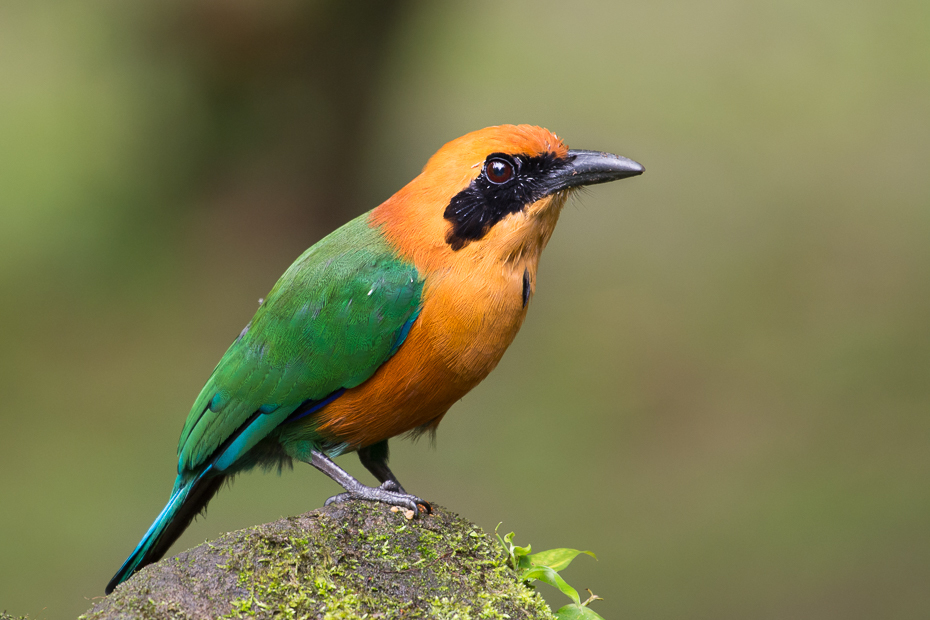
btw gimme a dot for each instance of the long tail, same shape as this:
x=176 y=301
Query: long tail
x=187 y=501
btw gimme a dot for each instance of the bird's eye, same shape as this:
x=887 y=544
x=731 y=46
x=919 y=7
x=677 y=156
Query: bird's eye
x=498 y=170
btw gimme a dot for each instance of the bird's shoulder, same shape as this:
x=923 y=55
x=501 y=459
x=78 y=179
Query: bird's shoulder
x=337 y=314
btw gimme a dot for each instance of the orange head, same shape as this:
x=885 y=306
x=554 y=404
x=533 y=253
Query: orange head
x=492 y=195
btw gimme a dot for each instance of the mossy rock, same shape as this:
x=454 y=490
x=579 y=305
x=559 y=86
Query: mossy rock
x=351 y=560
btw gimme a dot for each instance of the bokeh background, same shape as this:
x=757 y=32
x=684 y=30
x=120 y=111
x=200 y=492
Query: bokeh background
x=723 y=384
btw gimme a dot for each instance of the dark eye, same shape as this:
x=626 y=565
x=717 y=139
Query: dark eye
x=498 y=170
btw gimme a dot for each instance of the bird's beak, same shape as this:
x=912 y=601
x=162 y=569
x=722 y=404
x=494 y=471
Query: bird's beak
x=590 y=168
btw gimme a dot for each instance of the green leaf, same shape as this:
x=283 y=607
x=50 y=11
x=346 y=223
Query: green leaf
x=577 y=612
x=547 y=575
x=522 y=551
x=508 y=547
x=518 y=555
x=556 y=559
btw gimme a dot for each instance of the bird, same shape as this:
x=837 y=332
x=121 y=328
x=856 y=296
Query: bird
x=380 y=327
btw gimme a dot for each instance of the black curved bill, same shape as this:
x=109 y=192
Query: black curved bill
x=590 y=168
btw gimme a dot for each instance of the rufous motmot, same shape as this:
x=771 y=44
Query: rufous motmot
x=380 y=327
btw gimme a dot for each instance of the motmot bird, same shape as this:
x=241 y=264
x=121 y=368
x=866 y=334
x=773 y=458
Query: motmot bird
x=379 y=328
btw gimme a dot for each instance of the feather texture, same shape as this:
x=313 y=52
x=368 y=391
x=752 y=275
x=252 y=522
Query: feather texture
x=332 y=319
x=378 y=329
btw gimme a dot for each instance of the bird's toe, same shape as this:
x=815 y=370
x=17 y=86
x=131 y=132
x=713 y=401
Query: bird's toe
x=386 y=495
x=338 y=499
x=392 y=485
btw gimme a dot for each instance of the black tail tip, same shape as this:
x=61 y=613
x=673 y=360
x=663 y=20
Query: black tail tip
x=111 y=586
x=121 y=575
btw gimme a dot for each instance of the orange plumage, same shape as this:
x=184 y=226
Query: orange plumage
x=383 y=325
x=472 y=299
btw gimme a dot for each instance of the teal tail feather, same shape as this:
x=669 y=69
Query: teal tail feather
x=187 y=501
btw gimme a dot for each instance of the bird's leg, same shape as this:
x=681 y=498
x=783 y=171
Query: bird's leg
x=375 y=460
x=357 y=490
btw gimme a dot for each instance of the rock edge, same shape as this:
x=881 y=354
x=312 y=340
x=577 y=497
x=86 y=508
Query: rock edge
x=351 y=560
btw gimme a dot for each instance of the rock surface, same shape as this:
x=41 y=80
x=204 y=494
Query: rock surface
x=351 y=560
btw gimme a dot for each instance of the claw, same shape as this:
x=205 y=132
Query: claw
x=390 y=492
x=381 y=494
x=335 y=499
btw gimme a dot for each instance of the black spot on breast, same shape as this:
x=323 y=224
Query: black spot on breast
x=526 y=287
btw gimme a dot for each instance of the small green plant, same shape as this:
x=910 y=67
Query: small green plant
x=545 y=566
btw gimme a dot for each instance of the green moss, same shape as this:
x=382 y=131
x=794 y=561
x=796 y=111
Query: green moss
x=355 y=560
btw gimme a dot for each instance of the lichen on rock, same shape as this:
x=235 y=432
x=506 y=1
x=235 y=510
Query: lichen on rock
x=351 y=560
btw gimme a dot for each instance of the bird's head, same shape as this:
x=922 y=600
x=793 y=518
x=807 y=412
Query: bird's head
x=492 y=194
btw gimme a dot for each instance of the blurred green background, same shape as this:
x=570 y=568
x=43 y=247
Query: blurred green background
x=722 y=387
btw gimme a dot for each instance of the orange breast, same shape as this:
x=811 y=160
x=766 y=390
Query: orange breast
x=473 y=297
x=464 y=328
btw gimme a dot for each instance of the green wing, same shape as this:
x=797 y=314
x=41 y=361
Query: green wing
x=338 y=313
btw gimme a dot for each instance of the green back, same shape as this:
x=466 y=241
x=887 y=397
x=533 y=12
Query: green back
x=338 y=313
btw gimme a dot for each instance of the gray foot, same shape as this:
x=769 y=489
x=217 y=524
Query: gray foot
x=390 y=492
x=386 y=495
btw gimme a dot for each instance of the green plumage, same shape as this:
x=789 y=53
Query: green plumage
x=331 y=320
x=346 y=306
x=338 y=313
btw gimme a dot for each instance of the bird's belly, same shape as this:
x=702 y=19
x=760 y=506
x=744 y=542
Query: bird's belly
x=460 y=336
